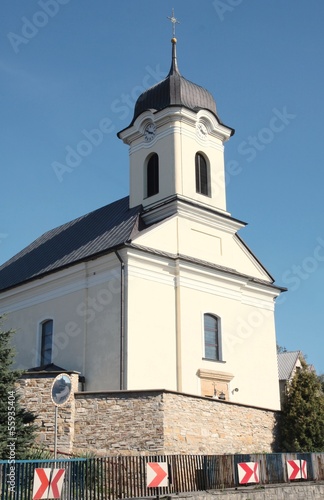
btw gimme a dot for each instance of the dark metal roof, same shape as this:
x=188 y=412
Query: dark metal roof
x=286 y=363
x=51 y=367
x=78 y=240
x=175 y=90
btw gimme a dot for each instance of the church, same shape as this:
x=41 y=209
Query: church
x=156 y=290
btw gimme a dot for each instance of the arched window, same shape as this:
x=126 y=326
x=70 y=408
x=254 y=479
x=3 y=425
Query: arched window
x=211 y=337
x=152 y=175
x=202 y=175
x=46 y=342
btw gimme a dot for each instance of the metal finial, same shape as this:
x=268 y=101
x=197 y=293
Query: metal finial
x=174 y=21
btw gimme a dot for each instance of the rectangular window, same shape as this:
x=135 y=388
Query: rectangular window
x=211 y=337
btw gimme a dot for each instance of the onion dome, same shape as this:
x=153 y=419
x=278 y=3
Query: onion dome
x=175 y=90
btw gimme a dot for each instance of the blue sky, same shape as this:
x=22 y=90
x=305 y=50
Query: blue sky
x=70 y=66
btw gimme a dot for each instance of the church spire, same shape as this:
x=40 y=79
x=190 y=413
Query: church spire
x=174 y=65
x=174 y=90
x=174 y=70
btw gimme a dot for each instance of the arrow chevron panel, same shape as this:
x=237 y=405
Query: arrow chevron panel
x=157 y=474
x=248 y=472
x=48 y=483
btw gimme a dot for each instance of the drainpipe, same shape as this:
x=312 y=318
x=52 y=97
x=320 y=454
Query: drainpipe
x=178 y=316
x=178 y=326
x=122 y=384
x=85 y=323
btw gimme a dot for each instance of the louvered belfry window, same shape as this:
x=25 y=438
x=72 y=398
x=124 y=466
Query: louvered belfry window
x=202 y=180
x=153 y=175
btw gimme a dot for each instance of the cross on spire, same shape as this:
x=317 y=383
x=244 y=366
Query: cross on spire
x=174 y=21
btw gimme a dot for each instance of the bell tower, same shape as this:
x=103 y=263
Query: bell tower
x=176 y=147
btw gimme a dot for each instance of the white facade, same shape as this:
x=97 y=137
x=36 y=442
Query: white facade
x=177 y=140
x=165 y=300
x=134 y=319
x=84 y=304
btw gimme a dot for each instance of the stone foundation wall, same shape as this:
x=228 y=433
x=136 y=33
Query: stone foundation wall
x=206 y=426
x=126 y=423
x=146 y=422
x=35 y=392
x=277 y=492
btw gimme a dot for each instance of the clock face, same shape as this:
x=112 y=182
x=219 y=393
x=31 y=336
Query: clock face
x=201 y=130
x=150 y=132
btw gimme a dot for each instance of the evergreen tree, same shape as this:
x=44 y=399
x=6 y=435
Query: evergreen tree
x=16 y=424
x=321 y=379
x=302 y=420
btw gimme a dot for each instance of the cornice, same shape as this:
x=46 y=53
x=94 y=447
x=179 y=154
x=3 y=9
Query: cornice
x=173 y=114
x=73 y=279
x=191 y=210
x=215 y=375
x=205 y=277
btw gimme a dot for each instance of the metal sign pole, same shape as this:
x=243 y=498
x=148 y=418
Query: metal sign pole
x=60 y=394
x=55 y=433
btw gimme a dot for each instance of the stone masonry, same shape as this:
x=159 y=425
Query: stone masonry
x=119 y=423
x=206 y=426
x=35 y=391
x=146 y=422
x=306 y=491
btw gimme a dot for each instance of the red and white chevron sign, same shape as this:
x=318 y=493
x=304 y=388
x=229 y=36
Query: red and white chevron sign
x=157 y=474
x=303 y=469
x=248 y=472
x=297 y=469
x=48 y=483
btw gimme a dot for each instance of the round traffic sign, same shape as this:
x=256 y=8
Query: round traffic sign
x=61 y=389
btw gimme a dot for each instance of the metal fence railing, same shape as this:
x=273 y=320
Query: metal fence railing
x=118 y=477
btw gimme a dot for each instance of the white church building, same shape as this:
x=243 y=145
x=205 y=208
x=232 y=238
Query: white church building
x=156 y=290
